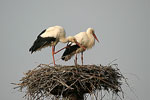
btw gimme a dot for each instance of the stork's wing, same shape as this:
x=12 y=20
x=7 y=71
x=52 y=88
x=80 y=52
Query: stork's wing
x=40 y=43
x=69 y=52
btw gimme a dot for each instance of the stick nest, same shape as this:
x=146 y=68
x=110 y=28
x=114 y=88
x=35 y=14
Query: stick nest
x=45 y=80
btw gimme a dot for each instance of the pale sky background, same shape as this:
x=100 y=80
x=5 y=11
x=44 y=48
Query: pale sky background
x=122 y=26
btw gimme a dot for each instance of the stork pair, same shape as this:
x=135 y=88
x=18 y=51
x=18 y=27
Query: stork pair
x=79 y=43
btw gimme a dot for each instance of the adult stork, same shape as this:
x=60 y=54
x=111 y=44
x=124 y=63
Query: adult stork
x=50 y=37
x=86 y=39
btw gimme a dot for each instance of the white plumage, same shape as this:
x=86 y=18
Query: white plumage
x=56 y=31
x=86 y=39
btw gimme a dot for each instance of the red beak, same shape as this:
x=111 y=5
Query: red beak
x=95 y=37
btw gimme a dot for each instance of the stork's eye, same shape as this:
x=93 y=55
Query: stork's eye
x=93 y=32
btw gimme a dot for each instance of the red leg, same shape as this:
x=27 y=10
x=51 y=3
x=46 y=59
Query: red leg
x=63 y=48
x=82 y=58
x=80 y=45
x=60 y=50
x=53 y=51
x=76 y=59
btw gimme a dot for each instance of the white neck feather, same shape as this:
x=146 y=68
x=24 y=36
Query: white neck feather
x=91 y=37
x=68 y=39
x=63 y=40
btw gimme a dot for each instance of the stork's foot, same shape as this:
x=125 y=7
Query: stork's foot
x=51 y=64
x=82 y=63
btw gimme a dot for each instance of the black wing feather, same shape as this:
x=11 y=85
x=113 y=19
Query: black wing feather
x=42 y=32
x=69 y=51
x=41 y=42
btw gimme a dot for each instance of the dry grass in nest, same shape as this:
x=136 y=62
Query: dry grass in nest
x=45 y=80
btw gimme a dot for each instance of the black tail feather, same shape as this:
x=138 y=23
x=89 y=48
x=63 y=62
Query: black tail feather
x=69 y=51
x=41 y=42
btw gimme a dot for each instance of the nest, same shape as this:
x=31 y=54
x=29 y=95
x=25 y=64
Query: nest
x=45 y=81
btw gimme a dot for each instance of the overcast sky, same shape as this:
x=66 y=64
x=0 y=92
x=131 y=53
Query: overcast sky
x=122 y=26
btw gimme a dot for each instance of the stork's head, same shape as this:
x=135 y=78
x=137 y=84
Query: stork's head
x=91 y=31
x=73 y=40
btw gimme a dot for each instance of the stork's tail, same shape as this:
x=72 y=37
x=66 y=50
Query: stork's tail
x=40 y=43
x=69 y=52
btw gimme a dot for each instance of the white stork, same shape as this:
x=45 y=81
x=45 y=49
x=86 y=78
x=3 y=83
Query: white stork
x=86 y=39
x=50 y=37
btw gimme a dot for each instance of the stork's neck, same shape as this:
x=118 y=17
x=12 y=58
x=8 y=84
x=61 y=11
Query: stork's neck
x=89 y=34
x=68 y=39
x=91 y=40
x=63 y=39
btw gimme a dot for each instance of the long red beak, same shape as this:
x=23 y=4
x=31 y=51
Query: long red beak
x=95 y=37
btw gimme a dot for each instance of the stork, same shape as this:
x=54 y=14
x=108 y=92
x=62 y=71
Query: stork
x=86 y=39
x=50 y=37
